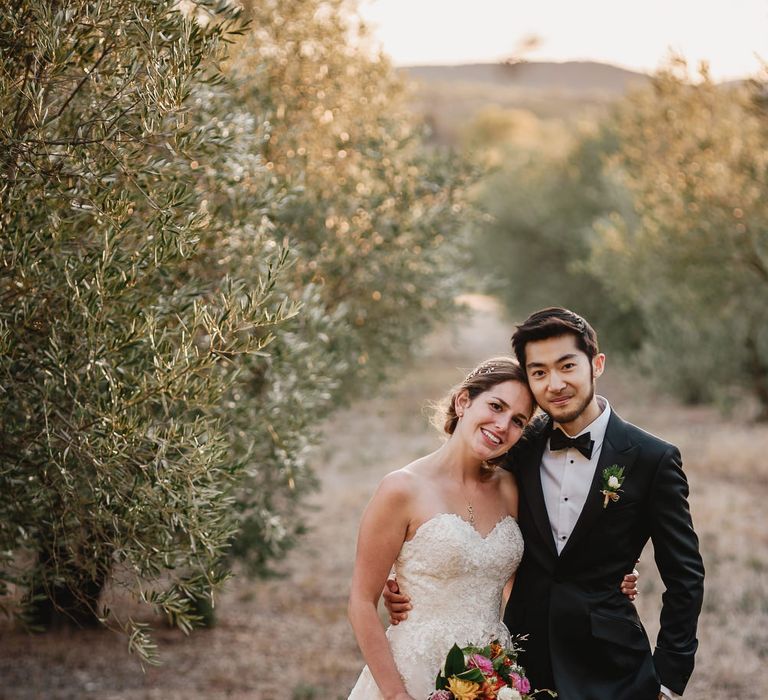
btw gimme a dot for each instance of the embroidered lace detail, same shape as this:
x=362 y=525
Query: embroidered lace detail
x=455 y=578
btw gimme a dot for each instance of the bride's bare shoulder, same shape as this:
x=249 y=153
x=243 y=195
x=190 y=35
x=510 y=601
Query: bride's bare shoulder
x=407 y=480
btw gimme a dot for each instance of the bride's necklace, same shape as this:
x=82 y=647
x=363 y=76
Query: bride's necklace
x=470 y=509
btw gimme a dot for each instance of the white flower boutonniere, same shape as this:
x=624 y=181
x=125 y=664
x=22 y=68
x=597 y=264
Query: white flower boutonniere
x=613 y=478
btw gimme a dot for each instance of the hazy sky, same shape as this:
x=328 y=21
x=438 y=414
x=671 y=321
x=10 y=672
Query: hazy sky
x=637 y=34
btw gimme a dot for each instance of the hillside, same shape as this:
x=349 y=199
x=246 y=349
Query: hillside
x=583 y=78
x=450 y=98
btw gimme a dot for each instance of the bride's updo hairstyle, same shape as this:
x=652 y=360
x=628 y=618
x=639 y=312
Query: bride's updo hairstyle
x=485 y=376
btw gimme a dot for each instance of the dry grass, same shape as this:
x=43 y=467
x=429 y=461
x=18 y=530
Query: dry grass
x=267 y=628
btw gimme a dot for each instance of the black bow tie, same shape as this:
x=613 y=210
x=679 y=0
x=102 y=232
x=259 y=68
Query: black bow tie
x=560 y=441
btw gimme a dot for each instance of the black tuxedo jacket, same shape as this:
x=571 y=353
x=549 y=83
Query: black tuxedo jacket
x=585 y=638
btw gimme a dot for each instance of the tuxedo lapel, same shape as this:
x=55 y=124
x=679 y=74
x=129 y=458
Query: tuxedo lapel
x=529 y=478
x=617 y=449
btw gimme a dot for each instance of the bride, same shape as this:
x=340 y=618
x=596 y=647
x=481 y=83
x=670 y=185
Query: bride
x=447 y=524
x=446 y=521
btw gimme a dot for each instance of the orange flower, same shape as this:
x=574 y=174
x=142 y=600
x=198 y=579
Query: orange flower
x=492 y=684
x=463 y=690
x=496 y=650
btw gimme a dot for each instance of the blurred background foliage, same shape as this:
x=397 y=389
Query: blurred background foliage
x=649 y=219
x=219 y=224
x=691 y=253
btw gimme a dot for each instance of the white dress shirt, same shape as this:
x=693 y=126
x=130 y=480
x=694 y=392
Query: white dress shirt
x=566 y=477
x=667 y=693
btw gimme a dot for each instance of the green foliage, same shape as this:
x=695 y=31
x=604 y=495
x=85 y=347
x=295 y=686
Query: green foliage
x=692 y=250
x=376 y=222
x=270 y=413
x=197 y=266
x=377 y=218
x=454 y=662
x=538 y=235
x=654 y=228
x=113 y=351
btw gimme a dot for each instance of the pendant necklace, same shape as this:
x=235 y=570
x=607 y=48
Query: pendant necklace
x=470 y=510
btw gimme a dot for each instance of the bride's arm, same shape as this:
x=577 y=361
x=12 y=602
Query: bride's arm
x=382 y=532
x=505 y=595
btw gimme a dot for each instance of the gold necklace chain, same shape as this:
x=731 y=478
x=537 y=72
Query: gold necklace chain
x=470 y=509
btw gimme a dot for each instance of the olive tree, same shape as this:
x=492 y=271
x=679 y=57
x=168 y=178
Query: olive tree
x=691 y=250
x=115 y=353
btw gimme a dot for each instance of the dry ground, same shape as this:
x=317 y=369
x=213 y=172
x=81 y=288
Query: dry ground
x=288 y=639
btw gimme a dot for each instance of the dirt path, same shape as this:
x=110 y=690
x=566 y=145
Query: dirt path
x=288 y=638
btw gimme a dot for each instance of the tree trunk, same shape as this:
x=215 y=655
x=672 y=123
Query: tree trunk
x=758 y=372
x=69 y=599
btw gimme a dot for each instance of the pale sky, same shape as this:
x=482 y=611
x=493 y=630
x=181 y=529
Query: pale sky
x=730 y=34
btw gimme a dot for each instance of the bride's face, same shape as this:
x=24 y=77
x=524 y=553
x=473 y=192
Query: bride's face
x=493 y=421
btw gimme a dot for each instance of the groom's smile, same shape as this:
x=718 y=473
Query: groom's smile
x=561 y=400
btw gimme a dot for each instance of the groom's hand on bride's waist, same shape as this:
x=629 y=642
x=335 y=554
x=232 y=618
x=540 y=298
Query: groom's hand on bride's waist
x=396 y=603
x=629 y=585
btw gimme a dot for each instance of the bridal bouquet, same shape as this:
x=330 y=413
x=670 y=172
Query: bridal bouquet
x=483 y=673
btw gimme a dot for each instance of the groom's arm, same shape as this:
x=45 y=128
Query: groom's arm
x=677 y=555
x=398 y=604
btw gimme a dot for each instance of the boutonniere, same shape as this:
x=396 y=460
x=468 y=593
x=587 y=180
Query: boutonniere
x=613 y=478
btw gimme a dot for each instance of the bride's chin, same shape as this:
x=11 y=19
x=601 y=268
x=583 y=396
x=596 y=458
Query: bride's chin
x=486 y=455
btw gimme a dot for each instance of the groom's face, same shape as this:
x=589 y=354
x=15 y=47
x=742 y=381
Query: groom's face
x=561 y=376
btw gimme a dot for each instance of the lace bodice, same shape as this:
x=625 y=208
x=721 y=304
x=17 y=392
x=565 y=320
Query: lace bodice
x=455 y=578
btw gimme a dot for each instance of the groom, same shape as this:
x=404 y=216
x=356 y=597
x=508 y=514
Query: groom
x=584 y=529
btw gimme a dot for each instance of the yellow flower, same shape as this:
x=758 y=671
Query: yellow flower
x=463 y=690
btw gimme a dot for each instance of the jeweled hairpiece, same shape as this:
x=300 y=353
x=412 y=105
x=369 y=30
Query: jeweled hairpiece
x=486 y=369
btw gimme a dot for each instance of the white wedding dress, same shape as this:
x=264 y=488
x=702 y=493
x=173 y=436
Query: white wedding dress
x=455 y=578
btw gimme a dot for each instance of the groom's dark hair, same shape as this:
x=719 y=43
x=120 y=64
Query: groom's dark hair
x=553 y=323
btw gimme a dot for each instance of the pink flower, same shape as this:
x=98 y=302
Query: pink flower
x=477 y=661
x=441 y=695
x=521 y=684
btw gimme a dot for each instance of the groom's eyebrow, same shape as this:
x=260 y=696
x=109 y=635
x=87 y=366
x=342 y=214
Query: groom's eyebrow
x=569 y=356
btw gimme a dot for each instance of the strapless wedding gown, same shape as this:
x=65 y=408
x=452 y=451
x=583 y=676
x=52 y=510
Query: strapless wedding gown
x=455 y=578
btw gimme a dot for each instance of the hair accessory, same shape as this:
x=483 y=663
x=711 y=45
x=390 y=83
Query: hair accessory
x=487 y=369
